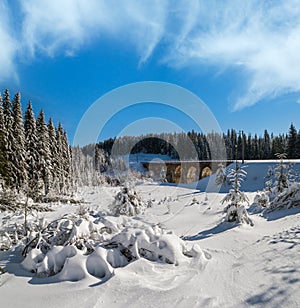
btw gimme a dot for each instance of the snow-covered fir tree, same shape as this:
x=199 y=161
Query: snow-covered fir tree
x=44 y=159
x=18 y=158
x=281 y=173
x=3 y=147
x=221 y=174
x=32 y=154
x=64 y=167
x=291 y=143
x=55 y=158
x=8 y=138
x=127 y=202
x=67 y=156
x=85 y=172
x=235 y=210
x=102 y=160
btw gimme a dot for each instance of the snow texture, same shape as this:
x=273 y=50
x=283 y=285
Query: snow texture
x=236 y=266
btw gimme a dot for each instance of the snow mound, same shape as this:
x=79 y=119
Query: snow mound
x=153 y=244
x=93 y=249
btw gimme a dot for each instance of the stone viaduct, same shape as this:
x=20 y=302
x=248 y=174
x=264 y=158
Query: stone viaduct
x=182 y=171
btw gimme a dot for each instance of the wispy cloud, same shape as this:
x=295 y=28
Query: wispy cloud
x=261 y=39
x=8 y=45
x=52 y=28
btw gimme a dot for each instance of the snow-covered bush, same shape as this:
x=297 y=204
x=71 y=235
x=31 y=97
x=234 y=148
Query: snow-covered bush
x=194 y=201
x=279 y=185
x=152 y=243
x=113 y=242
x=14 y=230
x=127 y=202
x=262 y=199
x=235 y=211
x=288 y=198
x=260 y=202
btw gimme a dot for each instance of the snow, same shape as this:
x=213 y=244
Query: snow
x=256 y=176
x=227 y=265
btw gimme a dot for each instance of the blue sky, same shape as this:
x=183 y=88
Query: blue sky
x=243 y=61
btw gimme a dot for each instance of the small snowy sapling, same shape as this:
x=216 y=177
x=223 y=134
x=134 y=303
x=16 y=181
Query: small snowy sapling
x=235 y=211
x=220 y=174
x=127 y=202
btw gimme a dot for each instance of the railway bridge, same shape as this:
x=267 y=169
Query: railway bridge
x=183 y=171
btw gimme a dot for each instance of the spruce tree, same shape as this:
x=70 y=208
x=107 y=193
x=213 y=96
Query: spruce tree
x=18 y=158
x=32 y=154
x=282 y=173
x=291 y=142
x=8 y=139
x=298 y=145
x=3 y=146
x=44 y=159
x=67 y=158
x=53 y=147
x=64 y=163
x=266 y=150
x=235 y=211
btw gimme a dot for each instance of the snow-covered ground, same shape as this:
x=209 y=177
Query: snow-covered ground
x=241 y=266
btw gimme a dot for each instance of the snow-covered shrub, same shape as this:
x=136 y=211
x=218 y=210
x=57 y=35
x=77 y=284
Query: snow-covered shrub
x=13 y=232
x=127 y=202
x=68 y=230
x=262 y=199
x=194 y=201
x=125 y=241
x=83 y=211
x=288 y=198
x=260 y=202
x=150 y=203
x=152 y=243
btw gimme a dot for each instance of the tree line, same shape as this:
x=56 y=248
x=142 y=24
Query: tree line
x=35 y=157
x=231 y=145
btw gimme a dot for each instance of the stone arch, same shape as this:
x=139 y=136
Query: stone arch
x=206 y=171
x=177 y=174
x=191 y=175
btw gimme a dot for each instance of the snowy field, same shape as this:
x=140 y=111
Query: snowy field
x=229 y=265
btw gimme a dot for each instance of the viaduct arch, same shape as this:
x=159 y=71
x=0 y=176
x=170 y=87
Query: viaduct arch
x=183 y=171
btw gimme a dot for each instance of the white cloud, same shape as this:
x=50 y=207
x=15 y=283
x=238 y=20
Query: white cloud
x=259 y=38
x=50 y=27
x=8 y=49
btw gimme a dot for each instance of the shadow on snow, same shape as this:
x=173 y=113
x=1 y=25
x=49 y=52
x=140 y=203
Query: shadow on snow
x=278 y=214
x=221 y=227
